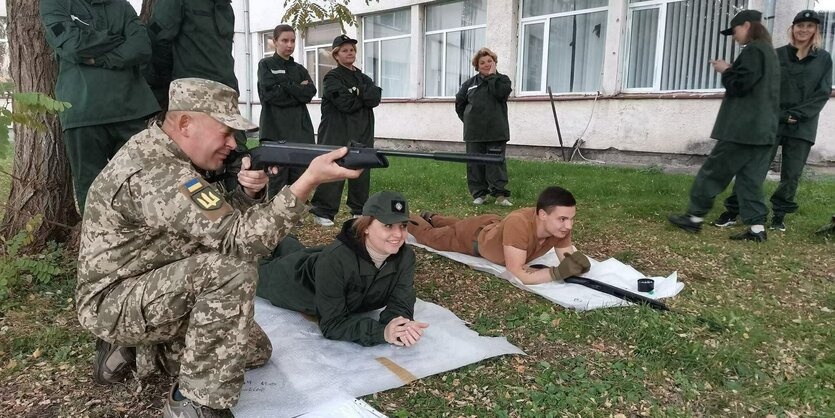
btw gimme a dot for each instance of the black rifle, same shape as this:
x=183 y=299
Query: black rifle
x=286 y=154
x=617 y=292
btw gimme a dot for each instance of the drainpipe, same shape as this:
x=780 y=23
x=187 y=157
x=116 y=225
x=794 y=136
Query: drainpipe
x=248 y=55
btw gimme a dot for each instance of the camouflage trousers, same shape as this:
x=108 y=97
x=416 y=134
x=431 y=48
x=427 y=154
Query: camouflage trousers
x=193 y=317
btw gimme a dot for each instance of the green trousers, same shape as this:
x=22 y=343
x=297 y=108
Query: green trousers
x=795 y=153
x=328 y=196
x=749 y=164
x=89 y=148
x=484 y=179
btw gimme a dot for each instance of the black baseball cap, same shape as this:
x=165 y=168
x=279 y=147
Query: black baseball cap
x=387 y=207
x=341 y=40
x=742 y=17
x=807 y=16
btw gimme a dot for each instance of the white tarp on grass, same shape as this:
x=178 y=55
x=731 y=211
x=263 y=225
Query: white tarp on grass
x=307 y=371
x=573 y=296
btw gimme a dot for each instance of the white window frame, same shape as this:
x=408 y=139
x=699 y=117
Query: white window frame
x=378 y=46
x=661 y=5
x=265 y=37
x=315 y=49
x=546 y=19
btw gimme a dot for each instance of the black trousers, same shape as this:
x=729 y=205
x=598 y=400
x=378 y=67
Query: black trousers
x=484 y=179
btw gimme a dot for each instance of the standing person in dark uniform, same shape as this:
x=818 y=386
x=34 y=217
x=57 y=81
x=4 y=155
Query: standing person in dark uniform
x=99 y=47
x=481 y=104
x=348 y=101
x=285 y=88
x=368 y=267
x=805 y=86
x=745 y=128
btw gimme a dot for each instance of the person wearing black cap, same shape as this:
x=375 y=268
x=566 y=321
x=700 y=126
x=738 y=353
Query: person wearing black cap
x=367 y=267
x=745 y=130
x=348 y=101
x=805 y=87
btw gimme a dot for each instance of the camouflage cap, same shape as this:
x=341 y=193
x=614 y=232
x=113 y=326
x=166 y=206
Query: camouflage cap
x=210 y=97
x=387 y=207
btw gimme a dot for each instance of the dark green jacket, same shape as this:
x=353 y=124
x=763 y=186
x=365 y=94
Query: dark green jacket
x=284 y=100
x=749 y=110
x=108 y=32
x=481 y=104
x=348 y=102
x=338 y=283
x=192 y=38
x=805 y=87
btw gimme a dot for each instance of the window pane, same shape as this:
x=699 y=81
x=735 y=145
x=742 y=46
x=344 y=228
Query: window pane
x=575 y=52
x=534 y=41
x=267 y=39
x=546 y=7
x=432 y=75
x=460 y=49
x=395 y=68
x=322 y=34
x=387 y=24
x=640 y=67
x=692 y=39
x=456 y=14
x=828 y=27
x=326 y=63
x=370 y=60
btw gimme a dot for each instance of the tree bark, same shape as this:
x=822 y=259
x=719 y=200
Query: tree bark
x=147 y=9
x=41 y=181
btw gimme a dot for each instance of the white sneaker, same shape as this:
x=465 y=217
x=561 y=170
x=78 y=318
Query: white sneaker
x=503 y=201
x=478 y=201
x=322 y=221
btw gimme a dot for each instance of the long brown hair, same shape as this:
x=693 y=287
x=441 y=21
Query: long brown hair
x=758 y=32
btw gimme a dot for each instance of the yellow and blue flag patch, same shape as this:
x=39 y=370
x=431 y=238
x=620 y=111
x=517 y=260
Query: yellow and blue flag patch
x=193 y=185
x=207 y=198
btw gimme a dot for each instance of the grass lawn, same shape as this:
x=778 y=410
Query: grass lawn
x=750 y=335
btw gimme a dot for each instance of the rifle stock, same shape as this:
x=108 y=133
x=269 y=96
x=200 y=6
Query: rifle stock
x=617 y=292
x=284 y=154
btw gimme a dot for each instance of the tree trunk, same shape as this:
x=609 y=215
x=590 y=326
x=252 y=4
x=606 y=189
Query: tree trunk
x=147 y=9
x=41 y=181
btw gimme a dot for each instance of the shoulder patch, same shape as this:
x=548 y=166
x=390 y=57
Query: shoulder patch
x=206 y=198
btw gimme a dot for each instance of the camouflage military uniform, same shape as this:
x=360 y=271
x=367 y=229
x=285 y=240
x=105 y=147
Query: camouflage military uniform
x=167 y=262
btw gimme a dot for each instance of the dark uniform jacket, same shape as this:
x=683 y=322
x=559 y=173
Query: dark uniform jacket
x=338 y=282
x=108 y=31
x=348 y=102
x=481 y=104
x=804 y=89
x=749 y=110
x=192 y=38
x=284 y=99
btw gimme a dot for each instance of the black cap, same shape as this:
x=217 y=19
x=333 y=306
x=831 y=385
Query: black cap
x=742 y=17
x=387 y=207
x=807 y=16
x=341 y=40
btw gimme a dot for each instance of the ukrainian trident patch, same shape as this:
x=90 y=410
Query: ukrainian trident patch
x=206 y=198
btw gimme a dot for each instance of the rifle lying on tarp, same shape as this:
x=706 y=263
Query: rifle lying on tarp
x=287 y=154
x=617 y=292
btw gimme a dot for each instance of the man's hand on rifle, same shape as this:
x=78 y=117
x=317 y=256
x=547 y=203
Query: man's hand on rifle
x=252 y=181
x=322 y=169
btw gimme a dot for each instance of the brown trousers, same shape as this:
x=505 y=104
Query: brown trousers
x=447 y=233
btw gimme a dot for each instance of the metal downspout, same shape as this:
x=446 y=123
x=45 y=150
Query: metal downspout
x=248 y=55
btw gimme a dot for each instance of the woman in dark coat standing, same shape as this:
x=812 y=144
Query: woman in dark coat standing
x=745 y=131
x=805 y=87
x=367 y=267
x=348 y=101
x=481 y=104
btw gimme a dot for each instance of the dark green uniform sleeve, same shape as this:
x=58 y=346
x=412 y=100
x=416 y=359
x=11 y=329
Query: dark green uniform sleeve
x=499 y=86
x=371 y=94
x=270 y=90
x=402 y=299
x=335 y=321
x=163 y=27
x=135 y=50
x=815 y=101
x=74 y=39
x=303 y=93
x=338 y=92
x=461 y=99
x=745 y=72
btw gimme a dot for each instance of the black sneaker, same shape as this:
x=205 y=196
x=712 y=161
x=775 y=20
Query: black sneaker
x=777 y=223
x=113 y=363
x=726 y=219
x=750 y=235
x=684 y=222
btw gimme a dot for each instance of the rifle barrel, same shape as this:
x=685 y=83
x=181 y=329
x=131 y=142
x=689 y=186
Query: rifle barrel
x=448 y=156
